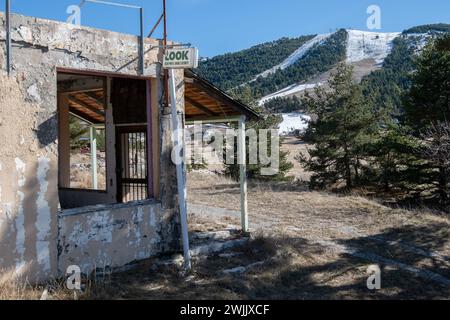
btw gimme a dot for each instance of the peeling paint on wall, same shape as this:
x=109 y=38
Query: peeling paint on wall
x=113 y=237
x=43 y=221
x=20 y=218
x=35 y=238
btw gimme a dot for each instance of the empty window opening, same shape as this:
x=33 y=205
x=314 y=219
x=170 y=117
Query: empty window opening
x=103 y=140
x=87 y=150
x=82 y=136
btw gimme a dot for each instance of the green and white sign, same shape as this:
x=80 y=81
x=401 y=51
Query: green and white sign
x=181 y=58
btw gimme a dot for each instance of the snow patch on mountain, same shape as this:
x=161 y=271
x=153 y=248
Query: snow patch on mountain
x=361 y=45
x=290 y=90
x=369 y=45
x=297 y=55
x=292 y=122
x=420 y=40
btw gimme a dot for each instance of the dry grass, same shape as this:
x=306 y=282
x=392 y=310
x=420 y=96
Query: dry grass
x=301 y=223
x=14 y=288
x=295 y=252
x=80 y=173
x=281 y=267
x=18 y=290
x=295 y=147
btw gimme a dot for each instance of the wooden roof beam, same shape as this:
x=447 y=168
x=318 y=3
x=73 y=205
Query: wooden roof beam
x=94 y=97
x=220 y=119
x=200 y=107
x=84 y=105
x=85 y=117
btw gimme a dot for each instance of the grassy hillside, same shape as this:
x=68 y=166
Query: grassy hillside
x=232 y=69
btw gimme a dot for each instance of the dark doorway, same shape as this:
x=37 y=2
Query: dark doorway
x=132 y=179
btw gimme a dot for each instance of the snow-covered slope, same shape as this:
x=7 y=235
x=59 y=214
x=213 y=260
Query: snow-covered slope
x=295 y=88
x=292 y=122
x=363 y=45
x=297 y=55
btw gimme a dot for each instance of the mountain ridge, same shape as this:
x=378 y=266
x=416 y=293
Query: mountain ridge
x=313 y=59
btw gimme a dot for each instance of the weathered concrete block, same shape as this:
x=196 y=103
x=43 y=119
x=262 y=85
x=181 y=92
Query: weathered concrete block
x=31 y=222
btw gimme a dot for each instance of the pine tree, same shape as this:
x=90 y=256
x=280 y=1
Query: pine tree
x=427 y=111
x=428 y=100
x=436 y=150
x=343 y=128
x=394 y=163
x=78 y=129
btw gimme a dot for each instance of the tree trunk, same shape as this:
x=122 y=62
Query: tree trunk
x=443 y=182
x=387 y=187
x=348 y=169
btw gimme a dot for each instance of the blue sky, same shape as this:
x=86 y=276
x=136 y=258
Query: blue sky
x=220 y=26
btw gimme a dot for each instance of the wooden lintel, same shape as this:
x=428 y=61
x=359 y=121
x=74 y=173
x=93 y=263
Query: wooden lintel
x=80 y=85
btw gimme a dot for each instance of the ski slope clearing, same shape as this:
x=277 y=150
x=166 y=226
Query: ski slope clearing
x=292 y=122
x=296 y=56
x=288 y=91
x=363 y=45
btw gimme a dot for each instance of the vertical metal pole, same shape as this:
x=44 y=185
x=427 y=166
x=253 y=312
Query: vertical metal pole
x=111 y=147
x=150 y=191
x=243 y=173
x=8 y=37
x=177 y=141
x=93 y=140
x=166 y=75
x=165 y=23
x=142 y=43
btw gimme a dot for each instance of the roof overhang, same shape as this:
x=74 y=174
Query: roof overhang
x=205 y=102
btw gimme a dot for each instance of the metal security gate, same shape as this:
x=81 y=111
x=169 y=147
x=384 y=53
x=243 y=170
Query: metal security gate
x=132 y=170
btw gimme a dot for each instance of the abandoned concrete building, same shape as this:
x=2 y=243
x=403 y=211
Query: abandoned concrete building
x=127 y=210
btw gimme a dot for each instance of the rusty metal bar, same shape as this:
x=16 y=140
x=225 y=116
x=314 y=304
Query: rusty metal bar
x=155 y=26
x=165 y=23
x=166 y=72
x=142 y=42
